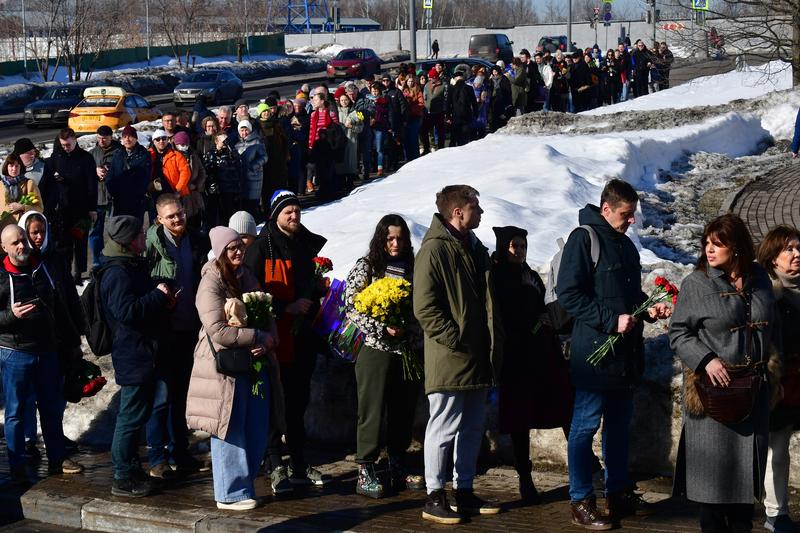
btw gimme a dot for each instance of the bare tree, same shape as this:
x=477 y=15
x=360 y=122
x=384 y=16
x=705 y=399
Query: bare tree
x=179 y=23
x=86 y=28
x=554 y=11
x=45 y=16
x=764 y=29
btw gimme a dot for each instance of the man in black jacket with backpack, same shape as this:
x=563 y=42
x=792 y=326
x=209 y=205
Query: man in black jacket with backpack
x=133 y=309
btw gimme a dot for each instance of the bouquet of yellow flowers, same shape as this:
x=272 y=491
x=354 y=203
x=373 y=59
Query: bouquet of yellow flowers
x=388 y=300
x=25 y=199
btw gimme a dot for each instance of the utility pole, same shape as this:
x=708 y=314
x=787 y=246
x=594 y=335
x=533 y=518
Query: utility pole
x=399 y=33
x=24 y=41
x=412 y=28
x=655 y=21
x=147 y=27
x=569 y=27
x=246 y=35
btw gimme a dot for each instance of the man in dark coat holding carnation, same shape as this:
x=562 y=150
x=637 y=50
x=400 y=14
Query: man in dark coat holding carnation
x=600 y=299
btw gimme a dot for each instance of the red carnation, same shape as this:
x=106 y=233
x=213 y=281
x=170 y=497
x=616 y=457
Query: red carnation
x=661 y=282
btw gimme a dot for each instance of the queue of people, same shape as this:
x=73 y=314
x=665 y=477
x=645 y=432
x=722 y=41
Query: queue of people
x=478 y=322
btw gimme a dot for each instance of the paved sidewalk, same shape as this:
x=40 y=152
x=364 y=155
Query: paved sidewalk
x=84 y=501
x=770 y=200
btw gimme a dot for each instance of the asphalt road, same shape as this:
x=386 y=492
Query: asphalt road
x=288 y=85
x=253 y=92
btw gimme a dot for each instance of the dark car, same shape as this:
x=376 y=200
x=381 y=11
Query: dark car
x=53 y=108
x=491 y=46
x=354 y=63
x=451 y=63
x=551 y=43
x=217 y=86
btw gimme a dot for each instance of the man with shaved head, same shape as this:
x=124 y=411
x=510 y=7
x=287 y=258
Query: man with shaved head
x=34 y=327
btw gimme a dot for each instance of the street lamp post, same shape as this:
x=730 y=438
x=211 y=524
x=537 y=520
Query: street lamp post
x=246 y=35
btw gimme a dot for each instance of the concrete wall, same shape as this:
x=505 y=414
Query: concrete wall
x=454 y=41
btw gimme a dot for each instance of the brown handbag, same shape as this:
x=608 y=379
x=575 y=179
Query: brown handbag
x=734 y=404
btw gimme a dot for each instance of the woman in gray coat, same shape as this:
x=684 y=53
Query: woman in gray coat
x=723 y=317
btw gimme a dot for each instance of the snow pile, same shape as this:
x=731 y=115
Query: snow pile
x=325 y=51
x=712 y=90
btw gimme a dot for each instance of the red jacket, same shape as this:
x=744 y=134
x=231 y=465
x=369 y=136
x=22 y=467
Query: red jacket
x=320 y=120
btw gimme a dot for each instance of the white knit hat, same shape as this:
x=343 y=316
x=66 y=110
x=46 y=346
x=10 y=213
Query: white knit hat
x=243 y=223
x=245 y=124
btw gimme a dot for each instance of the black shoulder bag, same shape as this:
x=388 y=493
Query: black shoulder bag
x=232 y=362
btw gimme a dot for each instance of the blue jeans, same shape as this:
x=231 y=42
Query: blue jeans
x=379 y=136
x=96 y=237
x=135 y=403
x=615 y=408
x=235 y=461
x=30 y=416
x=26 y=374
x=411 y=138
x=624 y=95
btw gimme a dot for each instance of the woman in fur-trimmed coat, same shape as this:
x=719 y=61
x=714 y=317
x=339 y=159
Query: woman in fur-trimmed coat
x=724 y=317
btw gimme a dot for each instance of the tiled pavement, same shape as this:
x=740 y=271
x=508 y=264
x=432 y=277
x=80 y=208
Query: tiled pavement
x=771 y=200
x=188 y=505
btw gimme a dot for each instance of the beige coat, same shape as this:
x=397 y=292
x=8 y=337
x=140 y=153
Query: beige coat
x=210 y=398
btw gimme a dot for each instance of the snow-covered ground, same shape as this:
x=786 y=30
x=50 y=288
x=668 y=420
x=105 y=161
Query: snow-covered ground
x=541 y=169
x=539 y=182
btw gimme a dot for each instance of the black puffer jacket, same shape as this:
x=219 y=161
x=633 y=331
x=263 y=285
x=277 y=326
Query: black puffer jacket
x=48 y=327
x=129 y=175
x=223 y=170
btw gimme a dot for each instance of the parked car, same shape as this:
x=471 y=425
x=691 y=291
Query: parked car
x=353 y=63
x=218 y=86
x=112 y=107
x=53 y=108
x=491 y=46
x=451 y=63
x=552 y=43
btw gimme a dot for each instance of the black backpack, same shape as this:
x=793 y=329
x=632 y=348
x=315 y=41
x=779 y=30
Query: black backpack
x=98 y=335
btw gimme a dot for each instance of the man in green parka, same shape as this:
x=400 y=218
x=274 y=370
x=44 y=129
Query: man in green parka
x=175 y=254
x=453 y=303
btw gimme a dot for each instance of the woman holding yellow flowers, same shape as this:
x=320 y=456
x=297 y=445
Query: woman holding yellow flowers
x=17 y=193
x=383 y=393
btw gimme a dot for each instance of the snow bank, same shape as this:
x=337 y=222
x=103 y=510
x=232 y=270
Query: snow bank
x=712 y=90
x=540 y=187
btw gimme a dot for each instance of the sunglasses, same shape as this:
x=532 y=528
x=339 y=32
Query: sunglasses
x=161 y=139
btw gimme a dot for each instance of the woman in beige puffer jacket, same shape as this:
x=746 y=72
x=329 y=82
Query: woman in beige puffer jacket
x=224 y=406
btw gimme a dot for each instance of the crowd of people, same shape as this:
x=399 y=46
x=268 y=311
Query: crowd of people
x=167 y=285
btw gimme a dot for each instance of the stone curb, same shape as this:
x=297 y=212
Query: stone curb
x=97 y=514
x=730 y=200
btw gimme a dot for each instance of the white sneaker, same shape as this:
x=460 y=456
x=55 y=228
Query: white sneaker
x=242 y=505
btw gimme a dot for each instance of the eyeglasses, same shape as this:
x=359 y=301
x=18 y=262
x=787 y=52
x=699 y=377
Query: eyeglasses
x=176 y=215
x=235 y=248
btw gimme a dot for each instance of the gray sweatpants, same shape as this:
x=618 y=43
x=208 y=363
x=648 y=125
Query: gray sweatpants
x=456 y=422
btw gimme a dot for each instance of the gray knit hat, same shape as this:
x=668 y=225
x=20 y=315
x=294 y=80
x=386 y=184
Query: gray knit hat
x=243 y=223
x=123 y=229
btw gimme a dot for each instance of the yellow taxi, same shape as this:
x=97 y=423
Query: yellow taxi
x=112 y=107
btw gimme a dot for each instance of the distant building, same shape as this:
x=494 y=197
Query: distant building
x=322 y=25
